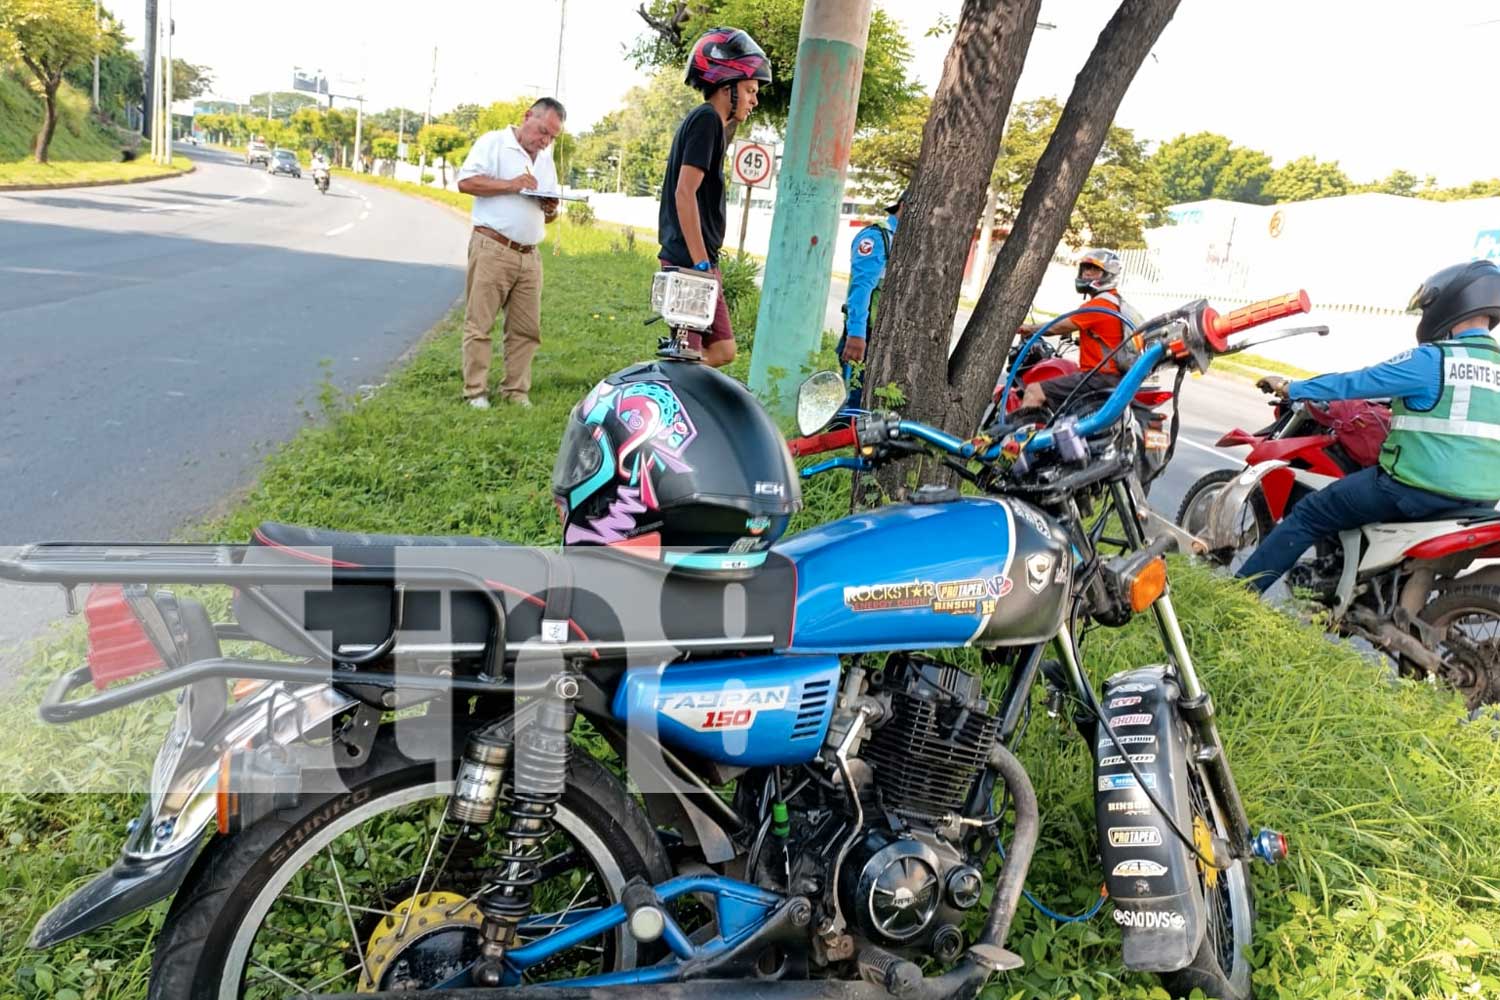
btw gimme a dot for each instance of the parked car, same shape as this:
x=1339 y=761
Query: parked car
x=284 y=161
x=257 y=152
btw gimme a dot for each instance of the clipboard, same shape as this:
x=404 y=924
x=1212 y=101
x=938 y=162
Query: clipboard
x=533 y=193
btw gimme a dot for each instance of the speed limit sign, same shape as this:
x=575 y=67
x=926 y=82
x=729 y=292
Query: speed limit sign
x=753 y=164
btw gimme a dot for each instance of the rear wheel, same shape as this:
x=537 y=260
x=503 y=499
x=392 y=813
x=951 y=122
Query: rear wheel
x=374 y=889
x=1467 y=621
x=1222 y=966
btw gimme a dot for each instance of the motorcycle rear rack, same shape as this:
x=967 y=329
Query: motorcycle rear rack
x=73 y=564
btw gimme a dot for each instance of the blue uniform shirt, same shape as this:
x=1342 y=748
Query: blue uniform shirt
x=1415 y=376
x=866 y=268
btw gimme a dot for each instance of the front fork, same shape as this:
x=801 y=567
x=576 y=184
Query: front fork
x=1195 y=705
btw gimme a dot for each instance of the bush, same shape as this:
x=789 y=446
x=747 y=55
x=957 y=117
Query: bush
x=428 y=178
x=581 y=213
x=742 y=295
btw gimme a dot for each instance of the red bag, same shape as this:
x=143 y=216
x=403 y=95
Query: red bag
x=1358 y=425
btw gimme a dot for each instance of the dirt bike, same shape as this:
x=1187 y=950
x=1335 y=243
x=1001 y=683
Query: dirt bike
x=1407 y=588
x=400 y=795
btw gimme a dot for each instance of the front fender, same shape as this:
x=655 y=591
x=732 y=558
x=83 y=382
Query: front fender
x=1221 y=528
x=164 y=840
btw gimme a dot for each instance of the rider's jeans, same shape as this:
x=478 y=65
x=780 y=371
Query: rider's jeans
x=1366 y=497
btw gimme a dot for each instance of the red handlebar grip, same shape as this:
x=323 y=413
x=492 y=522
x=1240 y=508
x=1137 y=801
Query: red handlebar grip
x=1257 y=313
x=827 y=441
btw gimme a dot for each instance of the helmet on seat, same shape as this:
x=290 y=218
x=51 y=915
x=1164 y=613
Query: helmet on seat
x=1455 y=294
x=724 y=55
x=673 y=461
x=1105 y=260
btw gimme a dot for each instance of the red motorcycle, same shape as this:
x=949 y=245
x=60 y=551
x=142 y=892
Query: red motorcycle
x=1418 y=591
x=1314 y=444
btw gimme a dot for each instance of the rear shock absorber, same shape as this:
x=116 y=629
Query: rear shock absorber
x=541 y=773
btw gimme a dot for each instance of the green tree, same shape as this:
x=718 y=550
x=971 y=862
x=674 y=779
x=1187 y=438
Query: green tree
x=392 y=120
x=120 y=72
x=1306 y=178
x=283 y=102
x=383 y=146
x=309 y=126
x=886 y=157
x=1121 y=196
x=440 y=141
x=1189 y=165
x=777 y=25
x=465 y=117
x=1474 y=189
x=190 y=80
x=338 y=130
x=1244 y=177
x=48 y=37
x=639 y=132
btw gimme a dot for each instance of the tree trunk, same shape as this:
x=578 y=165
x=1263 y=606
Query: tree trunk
x=49 y=118
x=960 y=142
x=1048 y=203
x=962 y=138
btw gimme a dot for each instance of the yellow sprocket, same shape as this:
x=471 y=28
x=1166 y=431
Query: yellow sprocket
x=429 y=913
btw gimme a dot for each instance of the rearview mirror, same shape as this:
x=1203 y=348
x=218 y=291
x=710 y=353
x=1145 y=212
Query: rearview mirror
x=819 y=400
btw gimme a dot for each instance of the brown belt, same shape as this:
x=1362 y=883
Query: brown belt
x=504 y=241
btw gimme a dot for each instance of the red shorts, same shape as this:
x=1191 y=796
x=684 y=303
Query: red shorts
x=720 y=330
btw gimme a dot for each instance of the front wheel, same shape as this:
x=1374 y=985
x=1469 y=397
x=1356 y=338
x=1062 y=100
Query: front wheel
x=374 y=889
x=1192 y=515
x=1221 y=968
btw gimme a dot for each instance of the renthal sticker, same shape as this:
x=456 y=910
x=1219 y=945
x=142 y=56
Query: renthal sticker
x=1038 y=570
x=1138 y=719
x=1105 y=741
x=889 y=596
x=1138 y=868
x=1134 y=699
x=1135 y=758
x=1151 y=920
x=1130 y=807
x=1128 y=688
x=1120 y=782
x=721 y=711
x=1134 y=836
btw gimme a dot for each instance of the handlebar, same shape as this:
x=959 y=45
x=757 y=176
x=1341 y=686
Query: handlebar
x=1193 y=331
x=815 y=444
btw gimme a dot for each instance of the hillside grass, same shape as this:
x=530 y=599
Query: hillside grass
x=1390 y=800
x=78 y=137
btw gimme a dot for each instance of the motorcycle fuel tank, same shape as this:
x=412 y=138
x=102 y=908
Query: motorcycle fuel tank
x=972 y=571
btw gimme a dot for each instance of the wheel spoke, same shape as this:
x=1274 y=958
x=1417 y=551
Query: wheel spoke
x=266 y=968
x=359 y=948
x=328 y=902
x=431 y=847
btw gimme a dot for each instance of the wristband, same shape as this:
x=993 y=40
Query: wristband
x=704 y=265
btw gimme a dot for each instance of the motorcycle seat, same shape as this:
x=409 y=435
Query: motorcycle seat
x=609 y=600
x=1477 y=514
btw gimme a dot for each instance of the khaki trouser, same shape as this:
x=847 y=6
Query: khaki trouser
x=501 y=278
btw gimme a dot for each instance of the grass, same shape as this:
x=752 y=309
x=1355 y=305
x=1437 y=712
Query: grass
x=1392 y=804
x=81 y=150
x=28 y=172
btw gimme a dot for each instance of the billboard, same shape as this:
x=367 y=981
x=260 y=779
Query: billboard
x=313 y=82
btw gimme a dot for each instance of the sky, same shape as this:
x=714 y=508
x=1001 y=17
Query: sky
x=1374 y=86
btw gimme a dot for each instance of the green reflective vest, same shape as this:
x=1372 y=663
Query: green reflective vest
x=1453 y=448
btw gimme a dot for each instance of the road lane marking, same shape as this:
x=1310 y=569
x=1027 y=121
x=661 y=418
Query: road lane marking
x=340 y=229
x=1215 y=452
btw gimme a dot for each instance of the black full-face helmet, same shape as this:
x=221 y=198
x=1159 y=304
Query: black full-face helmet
x=1455 y=294
x=673 y=461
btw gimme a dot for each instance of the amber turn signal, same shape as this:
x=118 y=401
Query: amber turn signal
x=1147 y=584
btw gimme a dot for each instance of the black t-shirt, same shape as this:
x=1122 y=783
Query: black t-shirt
x=699 y=143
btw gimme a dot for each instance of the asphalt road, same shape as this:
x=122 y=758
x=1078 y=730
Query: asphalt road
x=158 y=339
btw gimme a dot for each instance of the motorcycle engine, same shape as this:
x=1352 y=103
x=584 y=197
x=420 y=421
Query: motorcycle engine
x=909 y=881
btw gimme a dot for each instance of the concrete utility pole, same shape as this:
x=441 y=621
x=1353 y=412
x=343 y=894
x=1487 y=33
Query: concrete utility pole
x=820 y=127
x=427 y=118
x=171 y=30
x=562 y=20
x=96 y=56
x=150 y=69
x=359 y=126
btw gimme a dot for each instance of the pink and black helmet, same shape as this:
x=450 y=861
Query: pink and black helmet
x=724 y=55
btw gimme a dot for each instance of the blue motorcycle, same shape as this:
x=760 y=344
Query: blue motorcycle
x=681 y=756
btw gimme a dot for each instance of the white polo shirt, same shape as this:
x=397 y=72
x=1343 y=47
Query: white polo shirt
x=499 y=155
